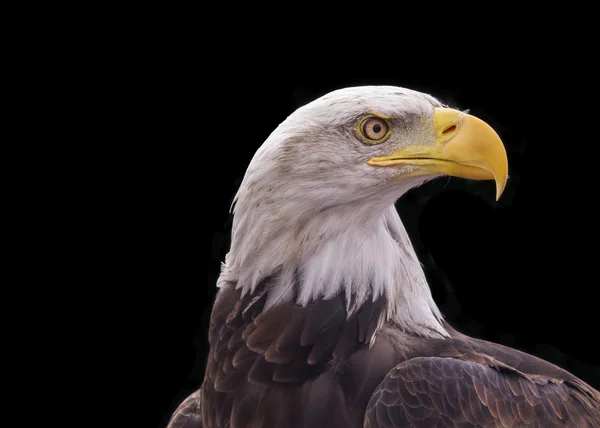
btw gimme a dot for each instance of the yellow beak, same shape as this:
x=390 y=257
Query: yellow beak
x=464 y=146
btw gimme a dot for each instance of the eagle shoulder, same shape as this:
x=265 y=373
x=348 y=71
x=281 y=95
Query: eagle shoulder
x=464 y=382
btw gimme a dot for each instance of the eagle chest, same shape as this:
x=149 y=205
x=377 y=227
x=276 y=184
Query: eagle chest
x=271 y=367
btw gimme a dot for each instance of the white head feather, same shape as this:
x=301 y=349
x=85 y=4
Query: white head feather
x=311 y=211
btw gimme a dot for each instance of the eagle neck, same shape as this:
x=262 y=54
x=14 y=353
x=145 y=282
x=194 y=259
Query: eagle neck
x=364 y=258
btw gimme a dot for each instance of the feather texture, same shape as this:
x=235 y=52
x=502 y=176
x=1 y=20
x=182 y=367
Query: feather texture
x=450 y=392
x=288 y=372
x=254 y=359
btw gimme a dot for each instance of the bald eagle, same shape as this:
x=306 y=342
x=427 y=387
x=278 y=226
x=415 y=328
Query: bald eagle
x=324 y=317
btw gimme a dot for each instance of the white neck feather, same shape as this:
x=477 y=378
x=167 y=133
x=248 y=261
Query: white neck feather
x=339 y=251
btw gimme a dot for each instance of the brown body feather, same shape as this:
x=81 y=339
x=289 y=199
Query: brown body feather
x=313 y=367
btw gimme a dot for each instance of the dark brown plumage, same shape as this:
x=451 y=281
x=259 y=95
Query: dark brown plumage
x=311 y=367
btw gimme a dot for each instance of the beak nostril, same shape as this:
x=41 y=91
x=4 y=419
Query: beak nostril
x=450 y=130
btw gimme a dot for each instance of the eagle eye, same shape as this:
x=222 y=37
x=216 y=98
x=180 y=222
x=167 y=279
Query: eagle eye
x=374 y=129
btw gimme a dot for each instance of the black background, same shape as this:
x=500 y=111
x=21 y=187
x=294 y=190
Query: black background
x=521 y=271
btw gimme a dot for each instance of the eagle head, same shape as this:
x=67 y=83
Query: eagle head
x=315 y=212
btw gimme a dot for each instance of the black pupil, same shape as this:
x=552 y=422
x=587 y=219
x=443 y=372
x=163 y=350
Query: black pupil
x=377 y=128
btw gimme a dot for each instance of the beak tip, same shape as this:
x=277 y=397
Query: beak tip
x=500 y=186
